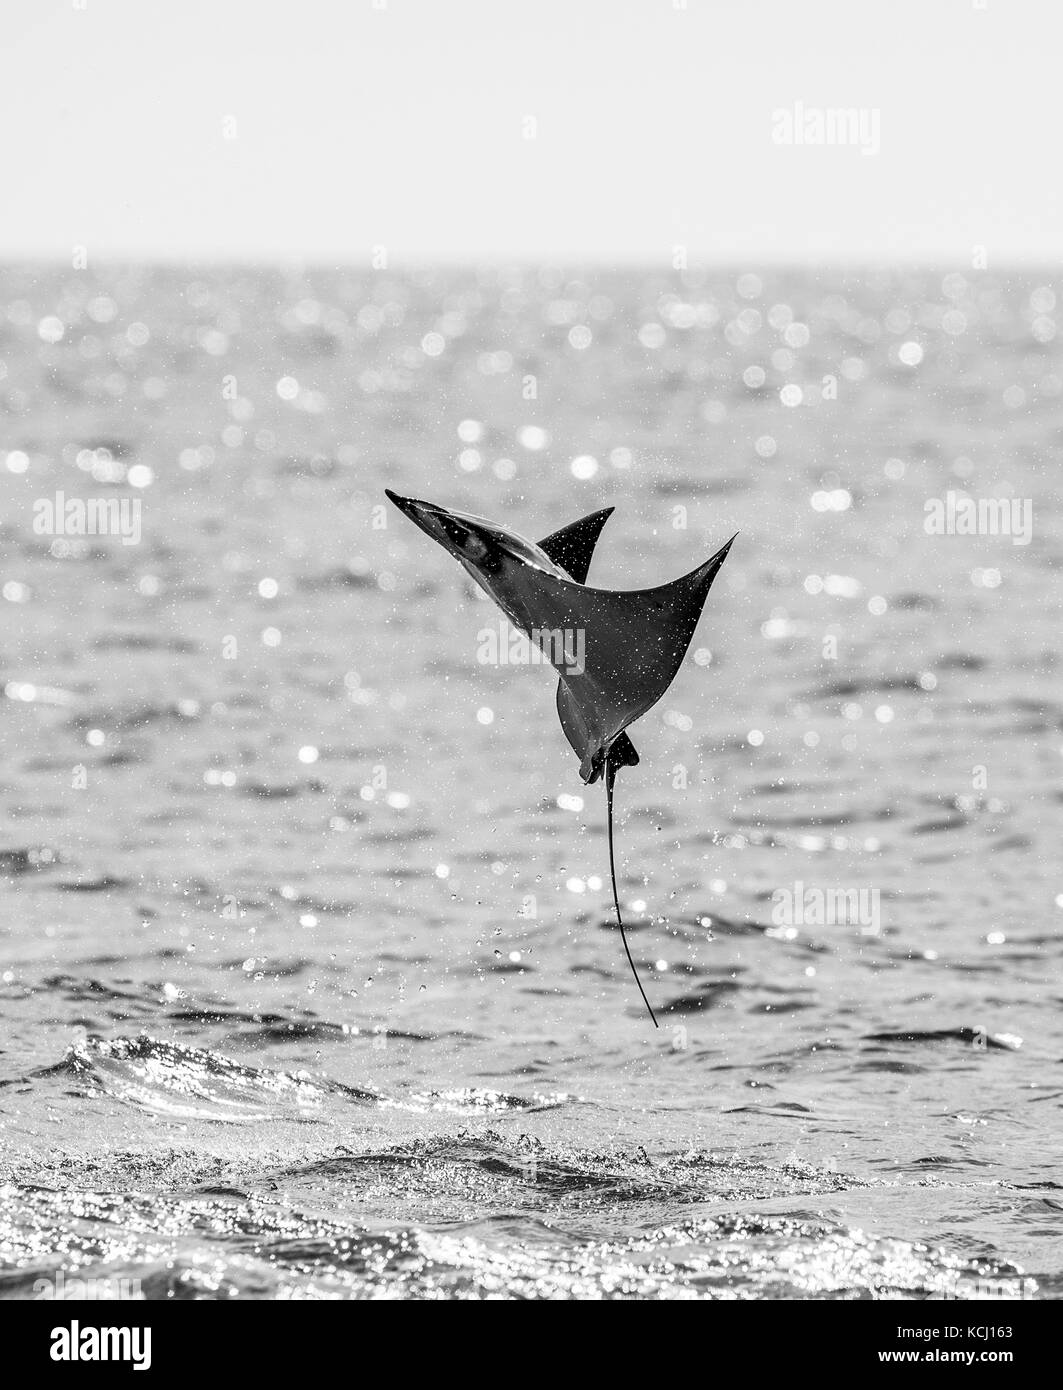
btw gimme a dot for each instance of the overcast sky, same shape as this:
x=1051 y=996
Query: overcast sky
x=323 y=128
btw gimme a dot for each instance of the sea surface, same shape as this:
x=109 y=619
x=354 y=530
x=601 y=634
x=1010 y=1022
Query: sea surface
x=309 y=980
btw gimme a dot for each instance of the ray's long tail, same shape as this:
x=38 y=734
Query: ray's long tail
x=610 y=774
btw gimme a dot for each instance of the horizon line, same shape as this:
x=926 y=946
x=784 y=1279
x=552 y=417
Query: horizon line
x=477 y=260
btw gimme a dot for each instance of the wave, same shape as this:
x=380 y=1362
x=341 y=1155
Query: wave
x=168 y=1078
x=495 y=1218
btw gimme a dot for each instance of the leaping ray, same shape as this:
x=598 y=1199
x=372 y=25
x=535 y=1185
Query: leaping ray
x=616 y=653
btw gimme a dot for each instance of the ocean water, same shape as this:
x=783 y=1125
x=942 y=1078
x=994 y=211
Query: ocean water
x=309 y=980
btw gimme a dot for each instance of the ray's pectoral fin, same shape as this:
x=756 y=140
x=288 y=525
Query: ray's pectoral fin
x=592 y=757
x=635 y=643
x=573 y=546
x=575 y=728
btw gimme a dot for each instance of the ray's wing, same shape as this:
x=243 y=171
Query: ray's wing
x=628 y=648
x=573 y=546
x=582 y=742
